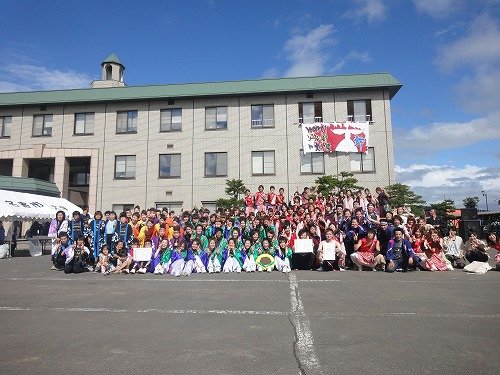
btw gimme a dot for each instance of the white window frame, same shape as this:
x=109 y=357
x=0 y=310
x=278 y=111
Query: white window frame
x=176 y=165
x=262 y=161
x=311 y=165
x=220 y=116
x=358 y=161
x=131 y=122
x=5 y=126
x=46 y=125
x=262 y=121
x=218 y=173
x=88 y=123
x=170 y=114
x=130 y=166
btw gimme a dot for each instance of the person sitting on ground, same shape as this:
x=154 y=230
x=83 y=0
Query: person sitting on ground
x=400 y=254
x=338 y=263
x=59 y=255
x=454 y=248
x=283 y=256
x=475 y=249
x=433 y=247
x=122 y=258
x=367 y=252
x=494 y=244
x=104 y=265
x=77 y=256
x=417 y=243
x=302 y=261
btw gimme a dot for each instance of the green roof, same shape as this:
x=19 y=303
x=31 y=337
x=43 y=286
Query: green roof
x=207 y=89
x=112 y=59
x=29 y=185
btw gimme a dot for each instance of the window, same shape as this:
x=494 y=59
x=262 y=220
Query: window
x=312 y=162
x=170 y=206
x=109 y=71
x=210 y=205
x=5 y=126
x=170 y=165
x=310 y=113
x=215 y=118
x=263 y=116
x=262 y=162
x=359 y=110
x=126 y=122
x=171 y=120
x=42 y=126
x=215 y=164
x=119 y=208
x=84 y=123
x=124 y=166
x=361 y=162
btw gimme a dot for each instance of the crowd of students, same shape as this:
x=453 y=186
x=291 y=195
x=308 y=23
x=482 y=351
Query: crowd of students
x=361 y=229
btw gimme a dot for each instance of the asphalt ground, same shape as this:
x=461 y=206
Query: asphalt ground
x=260 y=323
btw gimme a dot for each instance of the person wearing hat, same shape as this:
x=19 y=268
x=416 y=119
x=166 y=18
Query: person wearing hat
x=454 y=248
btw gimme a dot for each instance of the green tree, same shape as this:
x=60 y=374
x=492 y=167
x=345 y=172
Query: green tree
x=234 y=188
x=444 y=208
x=402 y=195
x=344 y=181
x=471 y=202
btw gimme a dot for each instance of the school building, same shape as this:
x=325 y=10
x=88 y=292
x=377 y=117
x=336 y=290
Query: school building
x=111 y=145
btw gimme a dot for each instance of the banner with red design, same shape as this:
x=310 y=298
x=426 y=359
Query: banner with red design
x=336 y=136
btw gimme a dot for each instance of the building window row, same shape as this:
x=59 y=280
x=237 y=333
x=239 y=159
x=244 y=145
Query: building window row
x=216 y=118
x=263 y=163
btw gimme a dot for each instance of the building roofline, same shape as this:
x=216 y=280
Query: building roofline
x=365 y=81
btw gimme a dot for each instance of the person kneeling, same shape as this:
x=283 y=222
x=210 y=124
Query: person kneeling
x=368 y=252
x=400 y=253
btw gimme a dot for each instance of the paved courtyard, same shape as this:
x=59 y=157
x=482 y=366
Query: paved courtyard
x=306 y=322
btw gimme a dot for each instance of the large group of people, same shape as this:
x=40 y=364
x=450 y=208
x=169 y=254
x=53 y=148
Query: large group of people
x=349 y=230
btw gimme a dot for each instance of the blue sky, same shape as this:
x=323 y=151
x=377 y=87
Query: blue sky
x=446 y=118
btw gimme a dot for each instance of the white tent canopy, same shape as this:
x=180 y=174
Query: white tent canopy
x=25 y=206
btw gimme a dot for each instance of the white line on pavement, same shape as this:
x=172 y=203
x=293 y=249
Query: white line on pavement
x=406 y=314
x=142 y=311
x=225 y=280
x=305 y=344
x=403 y=314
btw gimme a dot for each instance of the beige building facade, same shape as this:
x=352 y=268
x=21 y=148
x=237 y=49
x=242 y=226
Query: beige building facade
x=112 y=146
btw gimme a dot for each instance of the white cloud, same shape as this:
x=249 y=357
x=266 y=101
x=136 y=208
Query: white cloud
x=480 y=92
x=271 y=73
x=310 y=54
x=437 y=8
x=435 y=182
x=26 y=77
x=353 y=55
x=479 y=48
x=479 y=52
x=372 y=10
x=307 y=52
x=450 y=135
